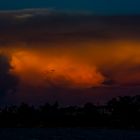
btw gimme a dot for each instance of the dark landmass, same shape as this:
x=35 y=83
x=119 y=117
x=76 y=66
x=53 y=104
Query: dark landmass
x=120 y=112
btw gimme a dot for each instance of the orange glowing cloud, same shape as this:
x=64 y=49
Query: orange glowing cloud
x=52 y=70
x=85 y=64
x=71 y=50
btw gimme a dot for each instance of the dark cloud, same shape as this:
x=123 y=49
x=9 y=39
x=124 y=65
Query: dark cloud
x=109 y=82
x=32 y=26
x=8 y=81
x=70 y=96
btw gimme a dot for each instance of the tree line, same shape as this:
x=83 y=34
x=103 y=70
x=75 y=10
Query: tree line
x=120 y=112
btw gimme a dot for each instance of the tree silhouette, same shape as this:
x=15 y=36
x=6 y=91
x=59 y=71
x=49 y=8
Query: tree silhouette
x=120 y=112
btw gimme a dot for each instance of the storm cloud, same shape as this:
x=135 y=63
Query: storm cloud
x=53 y=51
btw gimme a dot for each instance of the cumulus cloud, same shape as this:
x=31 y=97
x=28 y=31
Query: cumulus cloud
x=49 y=69
x=54 y=50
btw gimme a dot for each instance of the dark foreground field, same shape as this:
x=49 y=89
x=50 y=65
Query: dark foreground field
x=67 y=134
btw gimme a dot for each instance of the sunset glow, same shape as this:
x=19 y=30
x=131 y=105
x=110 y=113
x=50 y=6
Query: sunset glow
x=58 y=55
x=77 y=67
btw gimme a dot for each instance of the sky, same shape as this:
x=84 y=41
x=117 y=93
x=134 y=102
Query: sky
x=95 y=6
x=70 y=51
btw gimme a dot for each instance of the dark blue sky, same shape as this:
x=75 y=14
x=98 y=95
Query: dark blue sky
x=96 y=6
